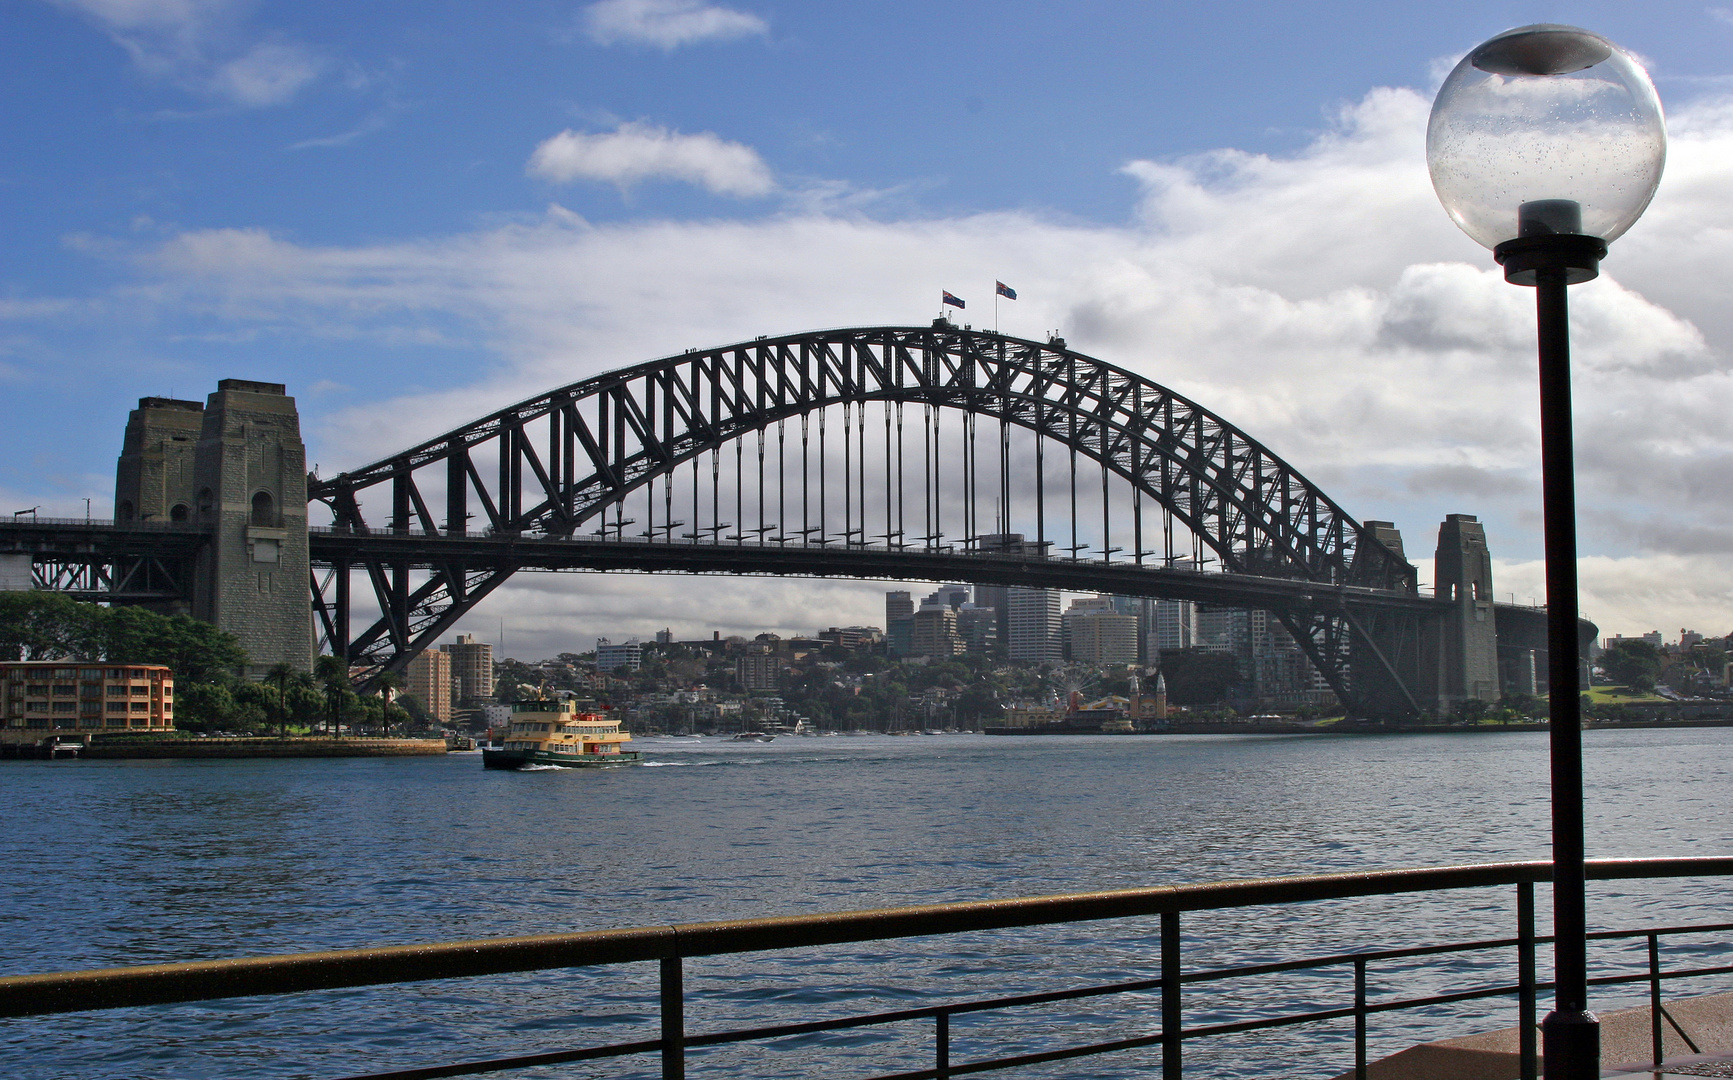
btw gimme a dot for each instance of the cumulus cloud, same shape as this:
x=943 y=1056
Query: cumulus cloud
x=667 y=24
x=200 y=46
x=635 y=152
x=1321 y=301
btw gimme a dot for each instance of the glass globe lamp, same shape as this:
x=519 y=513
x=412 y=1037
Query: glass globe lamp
x=1546 y=130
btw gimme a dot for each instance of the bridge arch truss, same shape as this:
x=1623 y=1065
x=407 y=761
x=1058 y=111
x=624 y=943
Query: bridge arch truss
x=693 y=452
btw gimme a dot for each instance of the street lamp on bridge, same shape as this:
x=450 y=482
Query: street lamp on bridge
x=1545 y=144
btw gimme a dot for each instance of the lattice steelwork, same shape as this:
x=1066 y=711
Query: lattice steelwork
x=809 y=441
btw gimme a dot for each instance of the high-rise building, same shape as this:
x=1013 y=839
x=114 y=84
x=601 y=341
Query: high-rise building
x=757 y=671
x=1032 y=616
x=952 y=596
x=610 y=657
x=979 y=628
x=1173 y=625
x=471 y=668
x=1103 y=637
x=995 y=596
x=899 y=621
x=934 y=632
x=428 y=678
x=1083 y=605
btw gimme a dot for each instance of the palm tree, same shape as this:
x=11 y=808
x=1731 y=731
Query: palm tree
x=280 y=676
x=333 y=674
x=385 y=684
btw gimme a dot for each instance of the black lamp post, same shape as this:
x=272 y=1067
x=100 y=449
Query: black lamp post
x=1545 y=144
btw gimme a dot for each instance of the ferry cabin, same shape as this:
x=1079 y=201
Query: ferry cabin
x=558 y=727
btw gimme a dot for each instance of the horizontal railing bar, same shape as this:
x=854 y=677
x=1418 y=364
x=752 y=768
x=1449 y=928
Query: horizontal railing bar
x=1605 y=935
x=1033 y=1059
x=924 y=1013
x=554 y=1057
x=1218 y=974
x=1692 y=973
x=31 y=995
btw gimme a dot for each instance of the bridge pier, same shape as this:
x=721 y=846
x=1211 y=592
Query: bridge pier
x=235 y=467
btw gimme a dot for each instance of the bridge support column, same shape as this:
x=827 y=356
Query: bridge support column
x=250 y=491
x=1464 y=644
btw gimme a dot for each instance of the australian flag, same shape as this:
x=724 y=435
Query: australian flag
x=953 y=301
x=1004 y=290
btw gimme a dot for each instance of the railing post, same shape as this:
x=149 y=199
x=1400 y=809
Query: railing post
x=1170 y=1006
x=673 y=1020
x=1655 y=997
x=1525 y=1021
x=1359 y=1018
x=942 y=1052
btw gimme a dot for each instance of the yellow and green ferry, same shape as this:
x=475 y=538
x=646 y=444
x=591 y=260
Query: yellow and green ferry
x=557 y=733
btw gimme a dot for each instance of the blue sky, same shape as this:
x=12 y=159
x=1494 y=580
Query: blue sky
x=411 y=212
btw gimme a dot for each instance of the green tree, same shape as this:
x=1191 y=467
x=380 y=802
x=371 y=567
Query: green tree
x=49 y=626
x=1198 y=676
x=1632 y=663
x=281 y=676
x=386 y=684
x=332 y=672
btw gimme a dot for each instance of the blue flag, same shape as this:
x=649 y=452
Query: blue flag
x=953 y=301
x=1005 y=290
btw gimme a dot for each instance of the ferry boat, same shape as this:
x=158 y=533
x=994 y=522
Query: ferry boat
x=557 y=733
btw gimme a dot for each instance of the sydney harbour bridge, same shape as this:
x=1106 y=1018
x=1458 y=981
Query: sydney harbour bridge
x=904 y=453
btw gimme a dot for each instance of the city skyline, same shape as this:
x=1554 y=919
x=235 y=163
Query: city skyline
x=407 y=232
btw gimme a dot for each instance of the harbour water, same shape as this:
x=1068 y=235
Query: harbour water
x=133 y=862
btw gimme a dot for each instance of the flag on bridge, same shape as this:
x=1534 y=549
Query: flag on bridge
x=1004 y=290
x=951 y=300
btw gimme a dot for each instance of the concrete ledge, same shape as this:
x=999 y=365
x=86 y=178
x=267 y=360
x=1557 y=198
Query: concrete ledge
x=263 y=747
x=1625 y=1045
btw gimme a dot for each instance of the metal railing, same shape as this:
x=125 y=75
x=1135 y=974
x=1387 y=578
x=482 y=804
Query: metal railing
x=670 y=946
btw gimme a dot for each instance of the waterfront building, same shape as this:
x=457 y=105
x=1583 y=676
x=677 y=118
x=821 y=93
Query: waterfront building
x=428 y=678
x=611 y=658
x=1034 y=621
x=471 y=668
x=44 y=698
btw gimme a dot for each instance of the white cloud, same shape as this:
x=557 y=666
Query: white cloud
x=199 y=45
x=635 y=152
x=1323 y=302
x=667 y=24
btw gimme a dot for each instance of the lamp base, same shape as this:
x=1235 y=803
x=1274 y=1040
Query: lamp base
x=1571 y=1046
x=1578 y=256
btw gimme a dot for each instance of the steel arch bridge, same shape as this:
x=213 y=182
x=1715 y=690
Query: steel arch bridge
x=550 y=483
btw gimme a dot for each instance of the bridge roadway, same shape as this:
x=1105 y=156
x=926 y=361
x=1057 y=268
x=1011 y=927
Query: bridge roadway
x=102 y=555
x=478 y=551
